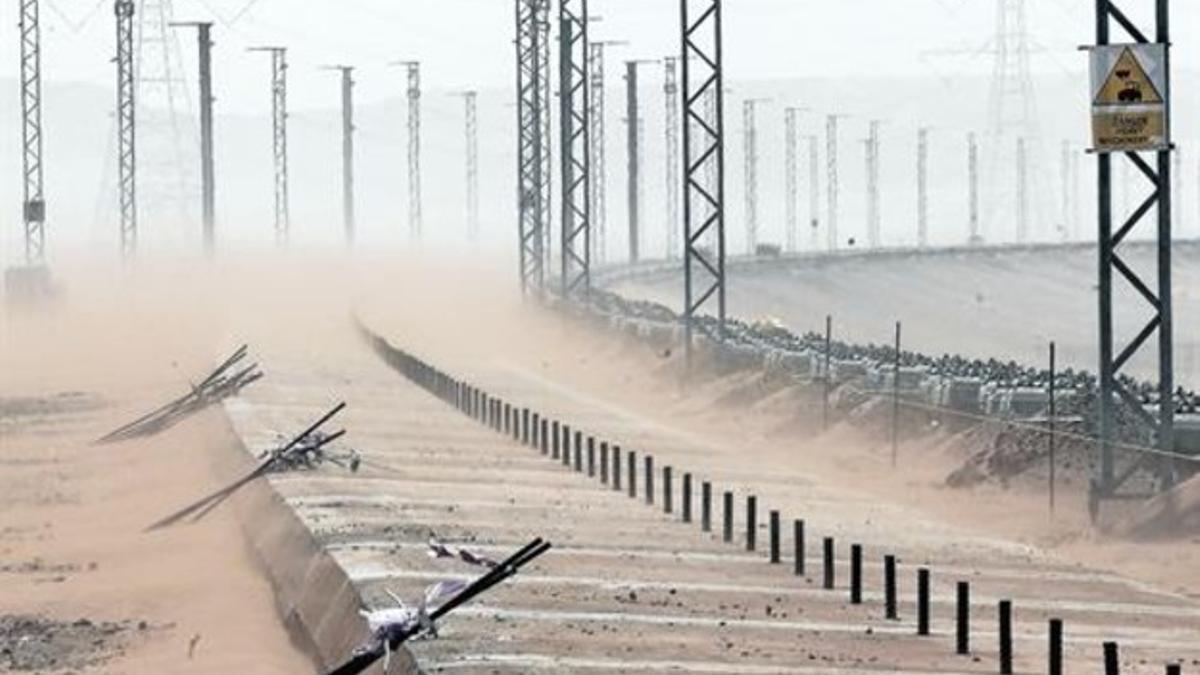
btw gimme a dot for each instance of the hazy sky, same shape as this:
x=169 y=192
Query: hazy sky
x=467 y=43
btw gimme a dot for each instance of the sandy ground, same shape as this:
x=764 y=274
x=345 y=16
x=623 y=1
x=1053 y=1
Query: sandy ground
x=89 y=505
x=78 y=511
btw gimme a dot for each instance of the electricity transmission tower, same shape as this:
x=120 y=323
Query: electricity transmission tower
x=1022 y=190
x=596 y=124
x=576 y=151
x=533 y=120
x=126 y=130
x=922 y=187
x=348 y=220
x=1013 y=114
x=831 y=186
x=974 y=238
x=207 y=176
x=671 y=108
x=166 y=133
x=31 y=133
x=750 y=171
x=703 y=161
x=814 y=191
x=873 y=196
x=791 y=178
x=413 y=95
x=279 y=139
x=471 y=138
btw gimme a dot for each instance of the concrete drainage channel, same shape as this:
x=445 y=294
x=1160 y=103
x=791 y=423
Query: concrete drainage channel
x=982 y=638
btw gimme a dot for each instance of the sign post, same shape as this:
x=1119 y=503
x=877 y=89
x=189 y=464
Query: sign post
x=1129 y=98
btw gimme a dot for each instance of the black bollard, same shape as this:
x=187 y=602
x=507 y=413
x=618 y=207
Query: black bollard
x=1112 y=659
x=728 y=515
x=543 y=436
x=525 y=426
x=774 y=520
x=686 y=498
x=798 y=541
x=566 y=445
x=667 y=500
x=648 y=478
x=1174 y=669
x=751 y=522
x=1056 y=647
x=604 y=462
x=554 y=442
x=856 y=553
x=1006 y=638
x=889 y=587
x=533 y=436
x=578 y=451
x=829 y=571
x=962 y=629
x=922 y=601
x=706 y=507
x=591 y=457
x=508 y=424
x=616 y=471
x=632 y=473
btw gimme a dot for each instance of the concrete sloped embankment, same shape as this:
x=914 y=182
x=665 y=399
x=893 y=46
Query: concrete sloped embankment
x=315 y=598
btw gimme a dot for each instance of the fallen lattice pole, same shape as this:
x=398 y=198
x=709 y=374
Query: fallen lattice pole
x=226 y=381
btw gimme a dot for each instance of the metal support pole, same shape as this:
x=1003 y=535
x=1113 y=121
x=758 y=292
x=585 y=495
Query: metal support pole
x=1022 y=191
x=856 y=578
x=34 y=205
x=412 y=93
x=727 y=517
x=873 y=195
x=791 y=170
x=798 y=547
x=1006 y=637
x=207 y=182
x=814 y=192
x=1113 y=391
x=922 y=187
x=1055 y=655
x=962 y=630
x=347 y=73
x=827 y=550
x=633 y=158
x=750 y=172
x=923 y=601
x=831 y=186
x=668 y=498
x=471 y=141
x=1051 y=422
x=827 y=375
x=279 y=143
x=533 y=151
x=974 y=237
x=889 y=588
x=702 y=61
x=751 y=523
x=126 y=129
x=686 y=496
x=671 y=141
x=616 y=468
x=576 y=149
x=648 y=461
x=896 y=399
x=706 y=506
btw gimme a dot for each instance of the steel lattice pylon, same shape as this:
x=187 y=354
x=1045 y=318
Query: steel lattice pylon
x=873 y=198
x=923 y=187
x=279 y=142
x=1022 y=190
x=126 y=129
x=34 y=212
x=533 y=120
x=471 y=139
x=575 y=163
x=413 y=95
x=671 y=143
x=167 y=136
x=814 y=191
x=703 y=160
x=207 y=171
x=791 y=172
x=1114 y=393
x=974 y=237
x=831 y=184
x=596 y=124
x=750 y=171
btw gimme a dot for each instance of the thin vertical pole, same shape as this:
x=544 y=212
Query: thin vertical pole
x=828 y=376
x=1051 y=424
x=896 y=400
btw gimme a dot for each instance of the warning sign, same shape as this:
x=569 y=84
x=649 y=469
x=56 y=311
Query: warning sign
x=1129 y=98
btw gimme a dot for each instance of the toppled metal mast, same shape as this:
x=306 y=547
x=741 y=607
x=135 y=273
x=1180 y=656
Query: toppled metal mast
x=34 y=213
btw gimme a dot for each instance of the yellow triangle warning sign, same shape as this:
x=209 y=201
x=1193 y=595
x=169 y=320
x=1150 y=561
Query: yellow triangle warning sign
x=1127 y=83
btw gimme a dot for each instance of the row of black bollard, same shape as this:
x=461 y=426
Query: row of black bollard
x=554 y=439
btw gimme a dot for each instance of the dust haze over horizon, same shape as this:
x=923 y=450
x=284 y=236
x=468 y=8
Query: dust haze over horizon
x=920 y=62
